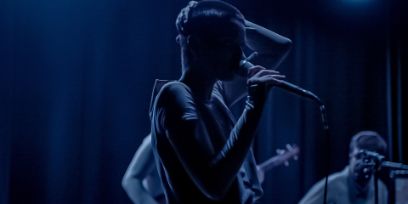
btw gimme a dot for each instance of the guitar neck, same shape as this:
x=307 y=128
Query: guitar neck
x=278 y=160
x=269 y=164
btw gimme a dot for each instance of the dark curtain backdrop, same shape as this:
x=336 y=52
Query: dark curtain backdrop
x=76 y=76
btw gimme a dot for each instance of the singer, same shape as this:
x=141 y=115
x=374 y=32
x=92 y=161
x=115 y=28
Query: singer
x=198 y=147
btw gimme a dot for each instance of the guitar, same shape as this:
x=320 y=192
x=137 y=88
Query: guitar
x=283 y=157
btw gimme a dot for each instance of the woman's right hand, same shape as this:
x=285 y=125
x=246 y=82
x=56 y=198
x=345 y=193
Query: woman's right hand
x=258 y=75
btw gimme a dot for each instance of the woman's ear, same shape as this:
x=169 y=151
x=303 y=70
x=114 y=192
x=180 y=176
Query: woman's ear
x=178 y=39
x=189 y=41
x=183 y=41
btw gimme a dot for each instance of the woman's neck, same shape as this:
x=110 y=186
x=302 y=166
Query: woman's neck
x=235 y=90
x=201 y=85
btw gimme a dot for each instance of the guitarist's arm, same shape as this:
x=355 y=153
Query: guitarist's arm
x=265 y=166
x=140 y=167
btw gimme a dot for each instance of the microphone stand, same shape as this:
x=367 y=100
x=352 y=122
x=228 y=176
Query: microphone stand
x=394 y=165
x=376 y=187
x=386 y=164
x=245 y=64
x=323 y=113
x=396 y=168
x=325 y=123
x=381 y=163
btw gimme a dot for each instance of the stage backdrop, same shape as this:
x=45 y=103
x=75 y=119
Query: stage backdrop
x=76 y=77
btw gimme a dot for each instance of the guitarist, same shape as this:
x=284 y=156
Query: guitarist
x=355 y=183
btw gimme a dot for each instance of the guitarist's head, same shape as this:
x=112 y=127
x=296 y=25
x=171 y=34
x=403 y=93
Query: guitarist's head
x=361 y=164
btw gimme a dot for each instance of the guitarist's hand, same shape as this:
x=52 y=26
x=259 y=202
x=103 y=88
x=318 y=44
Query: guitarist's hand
x=289 y=148
x=282 y=156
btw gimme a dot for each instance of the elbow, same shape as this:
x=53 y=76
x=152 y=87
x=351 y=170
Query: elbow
x=286 y=45
x=128 y=182
x=214 y=193
x=215 y=189
x=132 y=185
x=125 y=182
x=289 y=43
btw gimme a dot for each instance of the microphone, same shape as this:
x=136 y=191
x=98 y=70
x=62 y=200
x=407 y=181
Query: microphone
x=380 y=159
x=371 y=155
x=245 y=65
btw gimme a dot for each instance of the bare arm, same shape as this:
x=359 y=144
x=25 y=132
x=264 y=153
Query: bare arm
x=211 y=172
x=139 y=168
x=272 y=48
